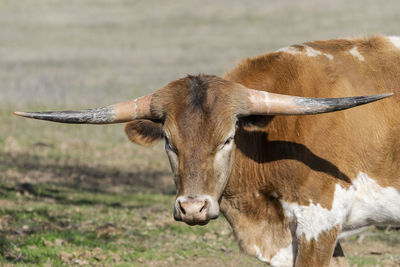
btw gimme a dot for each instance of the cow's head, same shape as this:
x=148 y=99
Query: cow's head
x=197 y=116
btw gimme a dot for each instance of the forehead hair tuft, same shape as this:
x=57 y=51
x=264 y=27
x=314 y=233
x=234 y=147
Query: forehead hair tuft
x=197 y=87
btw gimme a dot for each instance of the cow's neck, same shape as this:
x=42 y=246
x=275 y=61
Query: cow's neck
x=256 y=216
x=261 y=230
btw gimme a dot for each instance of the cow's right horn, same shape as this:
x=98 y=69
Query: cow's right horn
x=138 y=108
x=264 y=103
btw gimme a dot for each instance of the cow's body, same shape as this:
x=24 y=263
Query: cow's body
x=324 y=173
x=288 y=185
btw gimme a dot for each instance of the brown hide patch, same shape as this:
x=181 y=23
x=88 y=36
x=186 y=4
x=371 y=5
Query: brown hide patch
x=288 y=150
x=303 y=157
x=289 y=169
x=345 y=142
x=144 y=132
x=317 y=252
x=332 y=46
x=299 y=47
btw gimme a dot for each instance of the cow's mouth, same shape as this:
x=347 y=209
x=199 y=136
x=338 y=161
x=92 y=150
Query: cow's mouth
x=197 y=222
x=192 y=223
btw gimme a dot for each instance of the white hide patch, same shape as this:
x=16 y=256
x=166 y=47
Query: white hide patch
x=373 y=204
x=283 y=258
x=364 y=203
x=259 y=255
x=309 y=51
x=313 y=53
x=354 y=52
x=314 y=219
x=290 y=50
x=395 y=41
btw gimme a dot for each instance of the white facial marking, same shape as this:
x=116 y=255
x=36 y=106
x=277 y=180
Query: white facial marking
x=395 y=41
x=259 y=254
x=173 y=160
x=223 y=151
x=354 y=52
x=313 y=219
x=220 y=160
x=373 y=204
x=223 y=162
x=310 y=52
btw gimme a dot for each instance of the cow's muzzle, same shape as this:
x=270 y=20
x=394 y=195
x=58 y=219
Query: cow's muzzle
x=196 y=209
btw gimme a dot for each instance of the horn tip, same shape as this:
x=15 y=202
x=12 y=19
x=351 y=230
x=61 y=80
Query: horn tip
x=384 y=95
x=387 y=94
x=20 y=113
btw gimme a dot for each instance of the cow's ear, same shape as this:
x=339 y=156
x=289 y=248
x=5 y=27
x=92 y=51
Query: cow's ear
x=144 y=132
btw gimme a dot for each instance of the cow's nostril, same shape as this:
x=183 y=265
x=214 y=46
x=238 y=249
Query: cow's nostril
x=204 y=206
x=181 y=208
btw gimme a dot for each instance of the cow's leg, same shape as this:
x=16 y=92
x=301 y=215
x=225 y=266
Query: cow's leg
x=316 y=251
x=338 y=259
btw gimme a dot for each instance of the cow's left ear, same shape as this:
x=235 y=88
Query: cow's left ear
x=144 y=132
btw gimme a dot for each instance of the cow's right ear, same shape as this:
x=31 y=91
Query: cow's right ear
x=144 y=132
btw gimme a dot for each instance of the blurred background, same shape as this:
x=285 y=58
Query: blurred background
x=85 y=195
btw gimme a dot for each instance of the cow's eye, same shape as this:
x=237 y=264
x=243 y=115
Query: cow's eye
x=228 y=141
x=169 y=146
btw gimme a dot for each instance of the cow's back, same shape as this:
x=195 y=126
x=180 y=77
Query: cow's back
x=334 y=146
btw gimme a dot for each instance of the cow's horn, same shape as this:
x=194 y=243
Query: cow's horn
x=264 y=103
x=122 y=112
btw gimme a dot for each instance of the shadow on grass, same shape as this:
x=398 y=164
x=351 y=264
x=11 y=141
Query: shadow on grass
x=36 y=169
x=31 y=178
x=61 y=195
x=27 y=245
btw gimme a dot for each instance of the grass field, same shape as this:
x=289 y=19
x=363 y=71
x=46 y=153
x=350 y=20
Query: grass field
x=84 y=195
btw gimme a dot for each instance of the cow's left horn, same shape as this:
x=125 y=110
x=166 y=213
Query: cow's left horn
x=138 y=108
x=264 y=103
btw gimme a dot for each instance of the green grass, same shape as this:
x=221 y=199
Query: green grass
x=50 y=223
x=58 y=224
x=362 y=261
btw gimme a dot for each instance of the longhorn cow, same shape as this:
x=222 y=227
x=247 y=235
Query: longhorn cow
x=289 y=185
